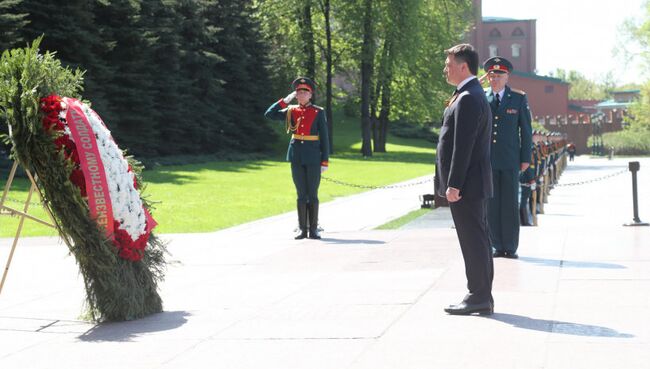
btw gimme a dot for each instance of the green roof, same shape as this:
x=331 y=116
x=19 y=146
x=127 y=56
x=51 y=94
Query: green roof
x=502 y=20
x=611 y=104
x=627 y=92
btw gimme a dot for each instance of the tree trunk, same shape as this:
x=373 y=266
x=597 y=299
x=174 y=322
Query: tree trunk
x=308 y=45
x=381 y=78
x=366 y=77
x=374 y=102
x=328 y=67
x=385 y=96
x=383 y=118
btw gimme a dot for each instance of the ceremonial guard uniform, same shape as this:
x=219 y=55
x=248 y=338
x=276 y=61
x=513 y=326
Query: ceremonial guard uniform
x=308 y=151
x=510 y=154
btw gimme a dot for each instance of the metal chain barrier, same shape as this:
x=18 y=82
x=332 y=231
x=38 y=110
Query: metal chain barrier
x=582 y=182
x=371 y=187
x=22 y=202
x=377 y=187
x=591 y=180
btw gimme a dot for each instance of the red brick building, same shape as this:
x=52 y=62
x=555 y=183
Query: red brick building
x=548 y=97
x=516 y=40
x=513 y=39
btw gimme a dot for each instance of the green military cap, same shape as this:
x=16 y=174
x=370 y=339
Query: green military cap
x=497 y=64
x=303 y=83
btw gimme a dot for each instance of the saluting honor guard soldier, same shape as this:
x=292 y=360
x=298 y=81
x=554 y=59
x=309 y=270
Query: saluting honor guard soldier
x=510 y=154
x=308 y=149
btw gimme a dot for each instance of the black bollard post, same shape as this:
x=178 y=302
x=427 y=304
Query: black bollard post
x=634 y=167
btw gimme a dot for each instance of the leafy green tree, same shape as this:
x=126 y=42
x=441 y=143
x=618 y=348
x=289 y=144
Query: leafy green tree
x=71 y=31
x=128 y=88
x=242 y=72
x=582 y=88
x=639 y=34
x=366 y=65
x=12 y=20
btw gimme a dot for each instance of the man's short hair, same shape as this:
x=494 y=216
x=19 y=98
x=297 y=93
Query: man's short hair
x=465 y=53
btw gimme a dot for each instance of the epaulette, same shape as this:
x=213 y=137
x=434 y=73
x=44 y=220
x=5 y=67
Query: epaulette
x=318 y=107
x=520 y=92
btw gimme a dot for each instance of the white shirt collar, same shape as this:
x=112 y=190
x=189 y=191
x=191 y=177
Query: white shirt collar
x=464 y=82
x=500 y=93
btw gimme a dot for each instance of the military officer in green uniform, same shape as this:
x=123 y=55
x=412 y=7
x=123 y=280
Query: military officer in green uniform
x=510 y=155
x=308 y=149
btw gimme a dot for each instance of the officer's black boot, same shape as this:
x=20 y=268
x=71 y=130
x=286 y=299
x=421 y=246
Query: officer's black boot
x=302 y=220
x=313 y=221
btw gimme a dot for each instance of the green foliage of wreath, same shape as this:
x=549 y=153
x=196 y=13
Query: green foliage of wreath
x=116 y=289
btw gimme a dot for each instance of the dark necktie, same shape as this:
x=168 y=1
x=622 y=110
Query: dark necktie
x=498 y=100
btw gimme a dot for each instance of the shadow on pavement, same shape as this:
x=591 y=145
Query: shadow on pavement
x=352 y=242
x=570 y=264
x=553 y=326
x=125 y=331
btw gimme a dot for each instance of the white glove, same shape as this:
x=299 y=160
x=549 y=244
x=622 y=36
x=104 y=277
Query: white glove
x=533 y=186
x=289 y=97
x=323 y=168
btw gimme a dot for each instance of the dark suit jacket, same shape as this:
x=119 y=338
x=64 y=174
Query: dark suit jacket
x=463 y=155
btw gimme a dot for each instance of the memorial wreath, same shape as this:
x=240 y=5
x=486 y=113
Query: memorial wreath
x=91 y=187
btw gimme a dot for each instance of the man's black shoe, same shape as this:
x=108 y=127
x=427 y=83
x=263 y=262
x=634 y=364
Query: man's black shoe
x=313 y=234
x=499 y=254
x=301 y=235
x=512 y=255
x=464 y=308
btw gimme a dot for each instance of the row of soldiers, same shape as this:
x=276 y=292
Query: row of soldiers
x=549 y=158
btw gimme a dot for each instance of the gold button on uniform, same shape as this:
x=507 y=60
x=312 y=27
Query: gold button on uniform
x=494 y=141
x=496 y=117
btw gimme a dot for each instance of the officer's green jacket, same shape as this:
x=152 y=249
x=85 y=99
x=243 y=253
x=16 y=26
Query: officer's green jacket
x=512 y=134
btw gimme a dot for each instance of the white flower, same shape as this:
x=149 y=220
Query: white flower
x=125 y=199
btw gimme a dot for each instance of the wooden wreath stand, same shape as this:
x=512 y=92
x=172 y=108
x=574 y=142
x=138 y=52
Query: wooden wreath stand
x=6 y=210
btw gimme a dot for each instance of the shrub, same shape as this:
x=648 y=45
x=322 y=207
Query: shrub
x=627 y=142
x=414 y=130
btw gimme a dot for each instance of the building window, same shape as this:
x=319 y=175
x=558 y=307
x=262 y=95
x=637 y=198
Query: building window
x=495 y=33
x=517 y=32
x=516 y=50
x=548 y=89
x=494 y=51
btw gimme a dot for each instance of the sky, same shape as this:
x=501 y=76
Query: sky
x=578 y=34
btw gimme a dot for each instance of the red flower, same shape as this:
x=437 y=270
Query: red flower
x=127 y=248
x=77 y=178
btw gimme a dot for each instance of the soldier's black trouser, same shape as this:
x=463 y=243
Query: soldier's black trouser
x=503 y=211
x=306 y=178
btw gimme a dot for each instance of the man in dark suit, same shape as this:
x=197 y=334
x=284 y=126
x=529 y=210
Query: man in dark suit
x=512 y=139
x=464 y=175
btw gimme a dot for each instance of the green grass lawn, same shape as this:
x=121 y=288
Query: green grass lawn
x=397 y=223
x=216 y=195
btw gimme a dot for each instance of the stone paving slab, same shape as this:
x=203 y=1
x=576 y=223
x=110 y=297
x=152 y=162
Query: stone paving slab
x=251 y=297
